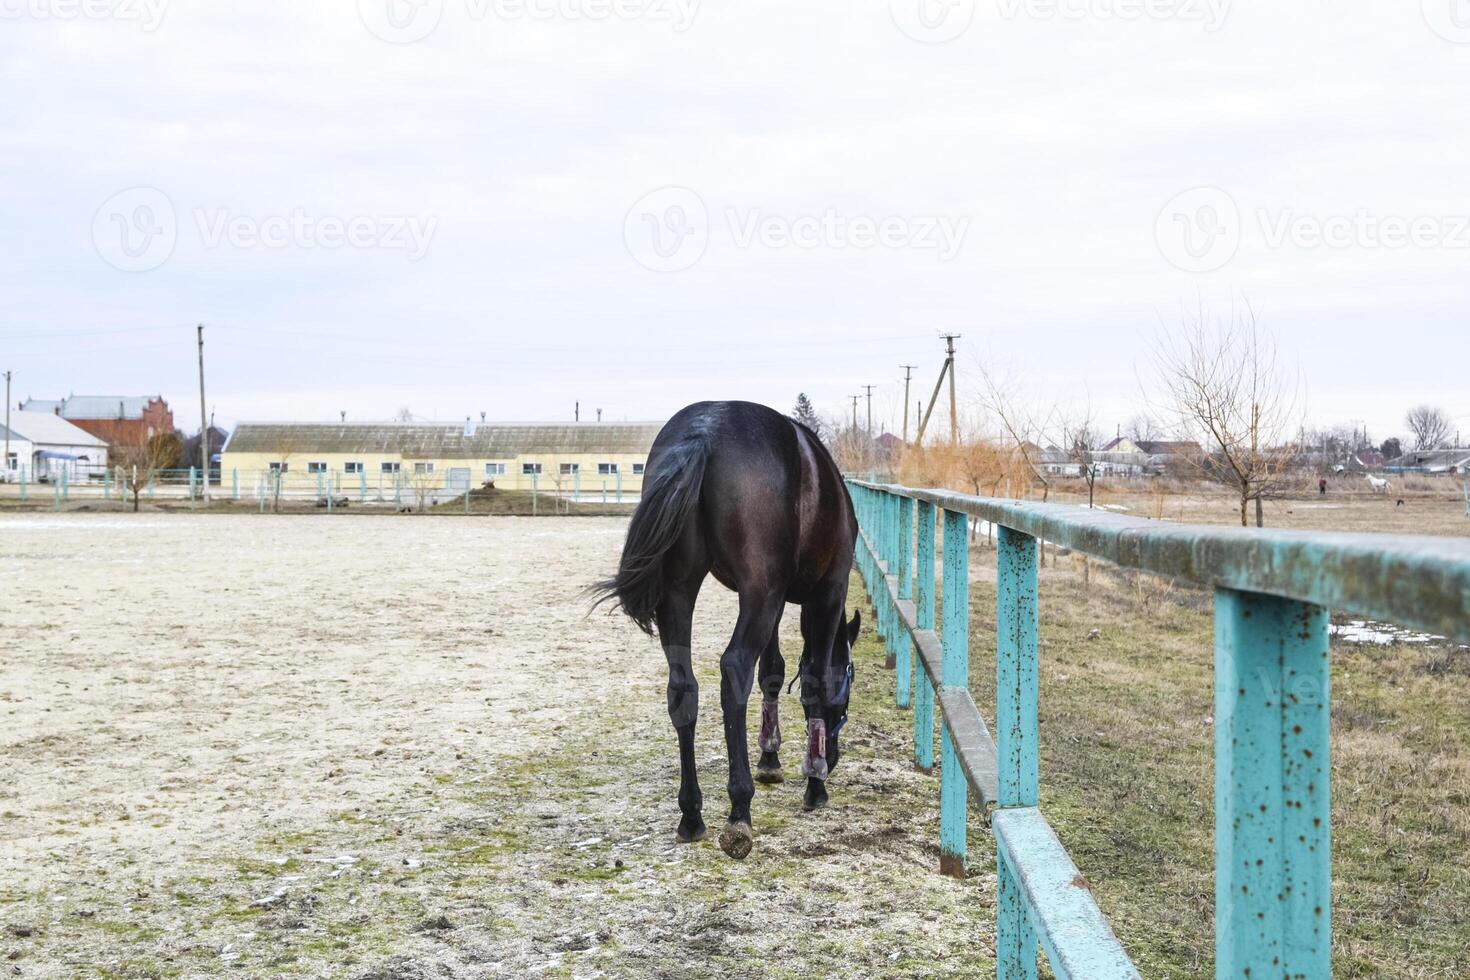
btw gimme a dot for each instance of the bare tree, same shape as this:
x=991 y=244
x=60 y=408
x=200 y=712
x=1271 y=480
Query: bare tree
x=1079 y=440
x=283 y=446
x=422 y=482
x=1143 y=428
x=139 y=459
x=1222 y=383
x=1024 y=426
x=1430 y=426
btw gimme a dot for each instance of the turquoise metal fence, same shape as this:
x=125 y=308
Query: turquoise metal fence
x=1273 y=590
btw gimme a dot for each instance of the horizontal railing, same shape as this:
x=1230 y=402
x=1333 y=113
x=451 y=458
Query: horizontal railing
x=1273 y=591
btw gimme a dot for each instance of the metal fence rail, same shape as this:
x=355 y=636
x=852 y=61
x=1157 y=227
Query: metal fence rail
x=1273 y=590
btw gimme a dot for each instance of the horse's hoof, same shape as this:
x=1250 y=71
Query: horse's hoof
x=816 y=796
x=736 y=840
x=769 y=775
x=688 y=832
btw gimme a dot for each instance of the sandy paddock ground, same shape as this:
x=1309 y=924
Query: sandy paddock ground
x=382 y=747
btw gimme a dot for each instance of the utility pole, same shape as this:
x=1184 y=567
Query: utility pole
x=854 y=410
x=908 y=372
x=870 y=408
x=948 y=368
x=5 y=461
x=203 y=422
x=954 y=415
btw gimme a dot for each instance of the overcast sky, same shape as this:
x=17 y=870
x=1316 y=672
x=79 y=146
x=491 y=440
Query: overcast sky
x=510 y=205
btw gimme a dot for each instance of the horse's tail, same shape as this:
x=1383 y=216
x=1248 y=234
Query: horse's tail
x=669 y=498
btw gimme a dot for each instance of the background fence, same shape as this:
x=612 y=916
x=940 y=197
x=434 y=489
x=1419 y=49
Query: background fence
x=1273 y=590
x=269 y=489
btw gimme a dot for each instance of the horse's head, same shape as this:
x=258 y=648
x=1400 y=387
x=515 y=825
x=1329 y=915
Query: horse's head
x=838 y=691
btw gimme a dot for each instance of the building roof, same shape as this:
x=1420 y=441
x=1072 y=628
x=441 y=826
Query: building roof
x=50 y=429
x=439 y=440
x=12 y=435
x=93 y=406
x=1166 y=448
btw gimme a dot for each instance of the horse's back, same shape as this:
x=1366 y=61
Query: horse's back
x=772 y=504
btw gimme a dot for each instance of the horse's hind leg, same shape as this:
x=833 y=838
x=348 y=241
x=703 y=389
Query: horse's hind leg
x=759 y=614
x=675 y=618
x=772 y=678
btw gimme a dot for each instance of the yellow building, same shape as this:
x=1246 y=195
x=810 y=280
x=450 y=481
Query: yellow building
x=388 y=458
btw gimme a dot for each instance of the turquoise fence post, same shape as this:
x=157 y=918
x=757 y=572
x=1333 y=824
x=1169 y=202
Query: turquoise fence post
x=905 y=559
x=1273 y=813
x=56 y=494
x=604 y=491
x=924 y=620
x=535 y=495
x=65 y=485
x=618 y=476
x=235 y=483
x=362 y=486
x=888 y=543
x=320 y=490
x=1016 y=749
x=397 y=489
x=260 y=492
x=954 y=791
x=107 y=484
x=23 y=474
x=577 y=485
x=193 y=491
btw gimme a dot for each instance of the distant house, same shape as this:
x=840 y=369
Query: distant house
x=562 y=457
x=217 y=439
x=53 y=446
x=1166 y=456
x=1051 y=460
x=1120 y=457
x=1433 y=461
x=111 y=418
x=1369 y=459
x=18 y=450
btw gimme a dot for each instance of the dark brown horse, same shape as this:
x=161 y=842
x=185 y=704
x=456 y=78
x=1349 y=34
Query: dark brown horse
x=742 y=492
